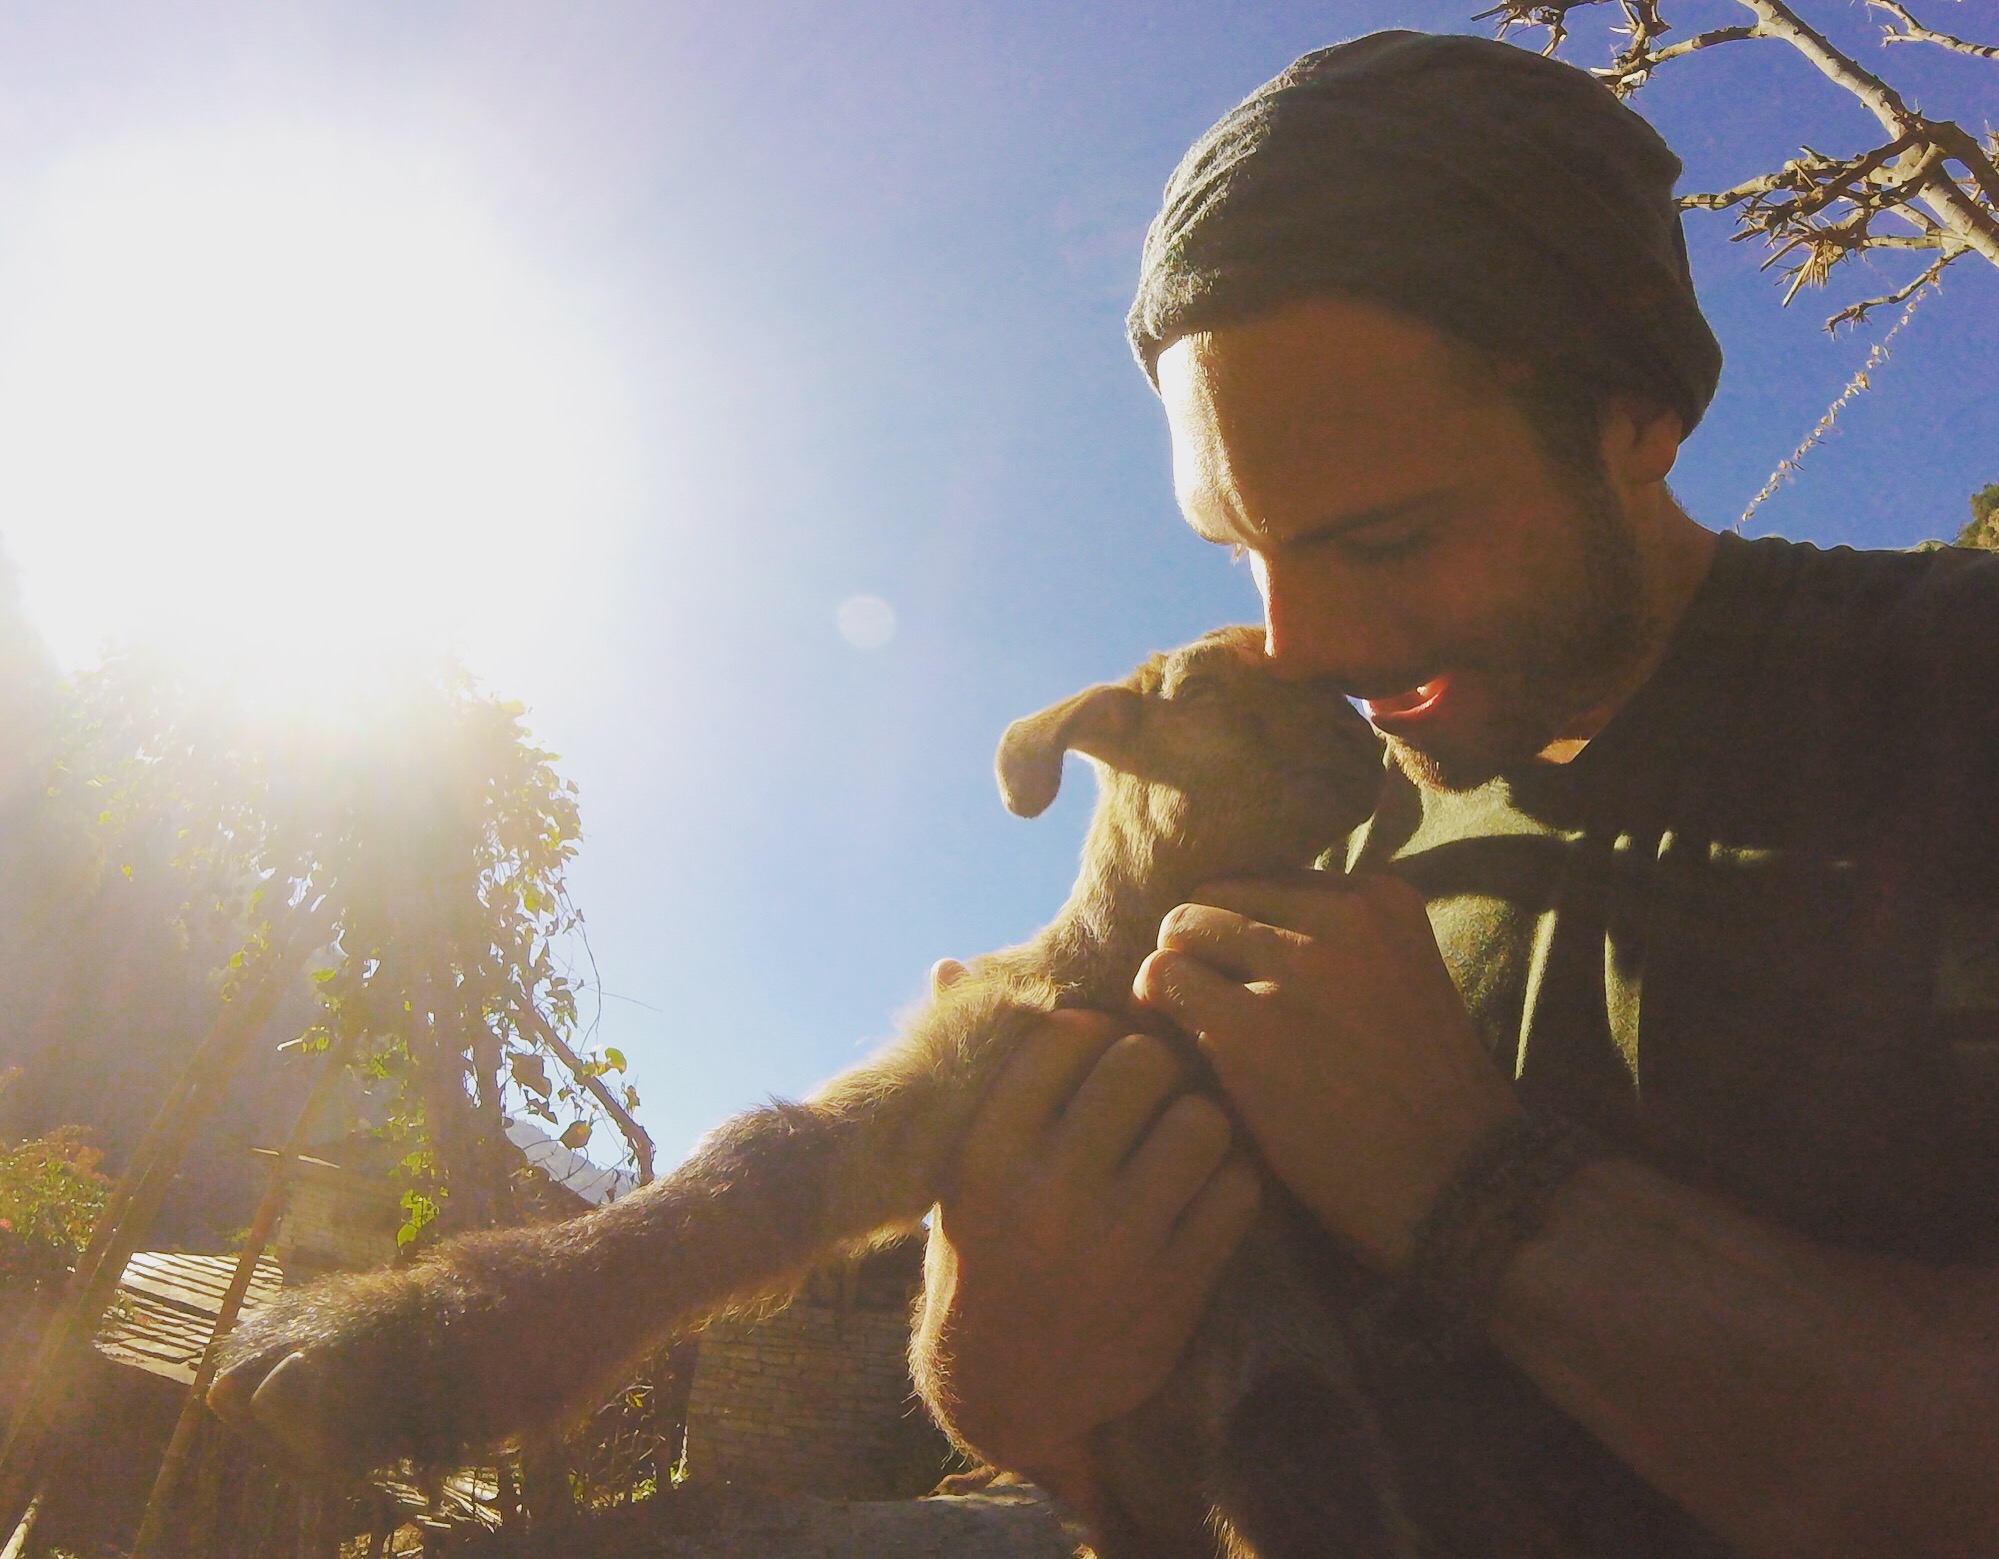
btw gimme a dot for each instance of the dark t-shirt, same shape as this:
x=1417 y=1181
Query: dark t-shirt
x=1750 y=936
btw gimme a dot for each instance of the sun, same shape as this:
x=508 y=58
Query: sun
x=286 y=403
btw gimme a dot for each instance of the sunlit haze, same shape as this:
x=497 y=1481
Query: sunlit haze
x=284 y=402
x=743 y=386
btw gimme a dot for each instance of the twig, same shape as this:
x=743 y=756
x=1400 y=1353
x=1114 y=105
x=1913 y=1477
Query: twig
x=1854 y=313
x=1788 y=466
x=1633 y=68
x=1551 y=14
x=1914 y=31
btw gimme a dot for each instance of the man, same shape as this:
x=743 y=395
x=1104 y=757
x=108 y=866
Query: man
x=1688 y=843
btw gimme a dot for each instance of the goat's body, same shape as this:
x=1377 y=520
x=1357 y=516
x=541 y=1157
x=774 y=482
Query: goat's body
x=410 y=1362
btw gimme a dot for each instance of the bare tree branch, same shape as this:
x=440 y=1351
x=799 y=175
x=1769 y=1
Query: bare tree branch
x=1959 y=144
x=1633 y=68
x=1793 y=208
x=1827 y=206
x=1854 y=313
x=1963 y=217
x=1914 y=31
x=532 y=1022
x=1704 y=40
x=1817 y=211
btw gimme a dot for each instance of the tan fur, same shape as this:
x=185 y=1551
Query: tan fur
x=1207 y=766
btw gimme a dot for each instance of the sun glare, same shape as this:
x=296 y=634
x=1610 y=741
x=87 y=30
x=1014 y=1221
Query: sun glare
x=286 y=405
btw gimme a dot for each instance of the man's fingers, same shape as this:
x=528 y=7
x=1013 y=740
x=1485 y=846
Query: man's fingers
x=1036 y=1082
x=1190 y=993
x=1175 y=1161
x=1118 y=1100
x=1212 y=1227
x=1308 y=902
x=1230 y=942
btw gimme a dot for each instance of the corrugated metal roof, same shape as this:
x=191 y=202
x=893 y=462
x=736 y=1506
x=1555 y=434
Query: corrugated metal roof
x=167 y=1305
x=568 y=1168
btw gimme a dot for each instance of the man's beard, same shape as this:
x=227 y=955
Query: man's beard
x=1550 y=665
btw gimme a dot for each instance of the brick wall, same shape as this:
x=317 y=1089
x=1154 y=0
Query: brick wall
x=336 y=1220
x=815 y=1399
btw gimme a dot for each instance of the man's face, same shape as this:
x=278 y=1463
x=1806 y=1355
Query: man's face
x=1407 y=534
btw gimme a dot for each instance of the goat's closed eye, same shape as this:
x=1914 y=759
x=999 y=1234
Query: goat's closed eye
x=1198 y=685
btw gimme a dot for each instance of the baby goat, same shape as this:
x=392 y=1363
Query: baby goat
x=1208 y=766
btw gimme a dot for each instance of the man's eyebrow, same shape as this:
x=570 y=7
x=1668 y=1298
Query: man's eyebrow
x=1334 y=526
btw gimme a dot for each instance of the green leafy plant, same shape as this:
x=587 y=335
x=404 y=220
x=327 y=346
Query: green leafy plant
x=1983 y=527
x=421 y=838
x=51 y=1195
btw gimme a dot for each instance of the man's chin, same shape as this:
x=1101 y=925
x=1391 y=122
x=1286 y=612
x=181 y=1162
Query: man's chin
x=1441 y=768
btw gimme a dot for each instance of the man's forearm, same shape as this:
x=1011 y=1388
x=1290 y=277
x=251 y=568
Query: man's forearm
x=1798 y=1399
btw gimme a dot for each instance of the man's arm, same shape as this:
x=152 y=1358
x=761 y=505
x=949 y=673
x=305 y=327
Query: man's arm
x=1797 y=1399
x=1800 y=1400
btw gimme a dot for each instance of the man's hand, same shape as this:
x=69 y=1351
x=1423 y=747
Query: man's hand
x=1333 y=1025
x=1092 y=1215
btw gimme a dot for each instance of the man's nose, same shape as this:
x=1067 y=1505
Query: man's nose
x=1319 y=621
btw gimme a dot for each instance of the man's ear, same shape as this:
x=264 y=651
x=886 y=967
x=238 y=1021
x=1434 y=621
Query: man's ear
x=1097 y=721
x=1639 y=441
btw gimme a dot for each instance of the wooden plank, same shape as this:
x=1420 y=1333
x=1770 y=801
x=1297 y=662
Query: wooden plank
x=166 y=1309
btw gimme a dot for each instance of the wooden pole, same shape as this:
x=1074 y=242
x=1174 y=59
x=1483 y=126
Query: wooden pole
x=17 y=1545
x=133 y=1205
x=194 y=1411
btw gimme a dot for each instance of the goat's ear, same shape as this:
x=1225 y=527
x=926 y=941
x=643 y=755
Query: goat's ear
x=1097 y=721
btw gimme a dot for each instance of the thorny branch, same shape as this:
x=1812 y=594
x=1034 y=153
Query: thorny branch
x=1854 y=313
x=1932 y=182
x=1914 y=31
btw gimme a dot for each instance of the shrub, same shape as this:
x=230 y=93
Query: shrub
x=51 y=1195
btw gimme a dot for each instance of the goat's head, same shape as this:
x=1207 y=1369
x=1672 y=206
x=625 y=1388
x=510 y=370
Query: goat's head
x=1204 y=756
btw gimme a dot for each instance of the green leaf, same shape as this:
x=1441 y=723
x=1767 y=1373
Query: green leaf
x=614 y=1058
x=418 y=1210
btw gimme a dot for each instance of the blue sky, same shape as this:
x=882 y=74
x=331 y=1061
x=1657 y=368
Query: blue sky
x=841 y=289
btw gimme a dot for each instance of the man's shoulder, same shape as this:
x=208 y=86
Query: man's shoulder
x=1884 y=617
x=1856 y=578
x=1843 y=693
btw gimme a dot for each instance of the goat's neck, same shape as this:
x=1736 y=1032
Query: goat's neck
x=1111 y=920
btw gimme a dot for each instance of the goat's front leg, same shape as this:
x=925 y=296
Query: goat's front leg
x=508 y=1333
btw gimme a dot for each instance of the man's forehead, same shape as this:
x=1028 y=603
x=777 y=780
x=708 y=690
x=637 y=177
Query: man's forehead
x=1328 y=410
